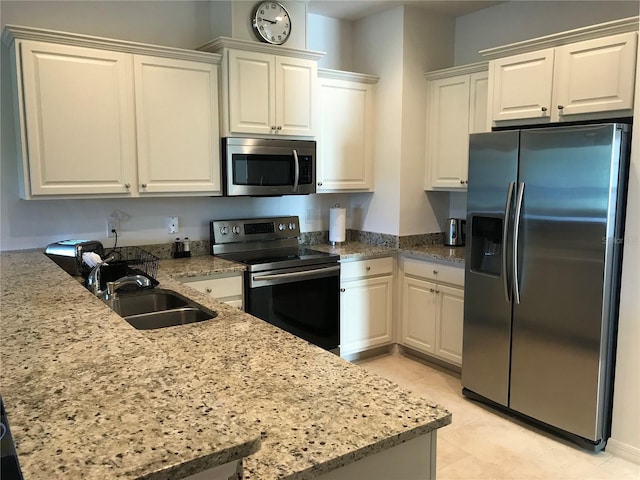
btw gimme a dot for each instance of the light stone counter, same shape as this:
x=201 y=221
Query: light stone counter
x=90 y=397
x=359 y=251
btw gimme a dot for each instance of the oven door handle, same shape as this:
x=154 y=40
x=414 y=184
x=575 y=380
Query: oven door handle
x=296 y=167
x=294 y=275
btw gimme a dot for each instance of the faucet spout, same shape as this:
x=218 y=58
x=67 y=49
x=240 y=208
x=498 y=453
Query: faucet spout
x=112 y=287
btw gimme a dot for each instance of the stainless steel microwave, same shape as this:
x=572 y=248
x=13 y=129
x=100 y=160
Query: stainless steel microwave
x=263 y=167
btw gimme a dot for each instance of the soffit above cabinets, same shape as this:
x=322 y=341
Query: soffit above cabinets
x=563 y=38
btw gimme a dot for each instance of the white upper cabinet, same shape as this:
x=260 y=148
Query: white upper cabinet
x=78 y=112
x=106 y=118
x=570 y=81
x=177 y=125
x=595 y=76
x=345 y=130
x=456 y=107
x=266 y=90
x=522 y=86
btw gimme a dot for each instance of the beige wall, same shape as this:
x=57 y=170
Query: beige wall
x=626 y=405
x=515 y=21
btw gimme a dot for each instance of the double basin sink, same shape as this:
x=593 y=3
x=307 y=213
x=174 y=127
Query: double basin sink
x=158 y=308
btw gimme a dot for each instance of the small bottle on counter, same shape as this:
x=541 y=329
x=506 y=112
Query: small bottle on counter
x=186 y=247
x=177 y=249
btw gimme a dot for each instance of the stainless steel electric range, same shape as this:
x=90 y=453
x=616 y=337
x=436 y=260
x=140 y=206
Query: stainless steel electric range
x=292 y=287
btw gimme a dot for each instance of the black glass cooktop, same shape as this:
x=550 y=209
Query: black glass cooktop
x=281 y=258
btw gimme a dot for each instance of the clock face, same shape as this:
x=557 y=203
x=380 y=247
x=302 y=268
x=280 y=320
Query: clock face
x=272 y=23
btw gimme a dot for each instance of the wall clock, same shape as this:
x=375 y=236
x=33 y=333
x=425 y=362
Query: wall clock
x=271 y=22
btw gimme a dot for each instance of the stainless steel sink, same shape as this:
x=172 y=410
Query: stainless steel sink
x=158 y=308
x=169 y=318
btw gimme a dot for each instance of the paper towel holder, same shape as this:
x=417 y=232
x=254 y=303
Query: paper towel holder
x=337 y=226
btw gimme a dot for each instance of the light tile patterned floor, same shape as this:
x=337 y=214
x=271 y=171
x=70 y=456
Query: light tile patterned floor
x=483 y=444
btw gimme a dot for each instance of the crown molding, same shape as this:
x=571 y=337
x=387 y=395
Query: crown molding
x=349 y=76
x=459 y=70
x=221 y=43
x=624 y=25
x=16 y=32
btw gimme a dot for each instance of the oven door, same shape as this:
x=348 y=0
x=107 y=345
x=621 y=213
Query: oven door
x=304 y=301
x=268 y=167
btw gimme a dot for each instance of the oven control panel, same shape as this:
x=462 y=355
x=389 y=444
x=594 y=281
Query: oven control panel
x=254 y=229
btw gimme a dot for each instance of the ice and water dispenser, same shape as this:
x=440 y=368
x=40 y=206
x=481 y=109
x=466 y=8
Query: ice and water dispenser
x=486 y=245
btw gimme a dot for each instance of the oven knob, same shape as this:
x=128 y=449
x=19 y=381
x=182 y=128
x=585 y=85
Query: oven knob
x=235 y=229
x=282 y=227
x=292 y=226
x=224 y=230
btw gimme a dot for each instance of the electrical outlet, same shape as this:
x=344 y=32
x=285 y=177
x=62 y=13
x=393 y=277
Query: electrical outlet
x=113 y=226
x=172 y=225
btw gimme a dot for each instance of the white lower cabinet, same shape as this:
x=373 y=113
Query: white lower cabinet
x=226 y=287
x=432 y=308
x=366 y=299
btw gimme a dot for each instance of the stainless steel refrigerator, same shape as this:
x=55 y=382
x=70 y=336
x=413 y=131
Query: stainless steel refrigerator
x=545 y=219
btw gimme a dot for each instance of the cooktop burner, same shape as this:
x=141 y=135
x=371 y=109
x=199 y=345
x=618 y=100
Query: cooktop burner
x=283 y=258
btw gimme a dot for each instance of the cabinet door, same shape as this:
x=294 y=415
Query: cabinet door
x=521 y=86
x=345 y=156
x=365 y=314
x=78 y=109
x=478 y=103
x=595 y=75
x=419 y=314
x=448 y=132
x=294 y=94
x=450 y=317
x=177 y=125
x=227 y=288
x=251 y=85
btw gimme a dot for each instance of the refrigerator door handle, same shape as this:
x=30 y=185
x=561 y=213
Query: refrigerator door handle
x=516 y=234
x=505 y=233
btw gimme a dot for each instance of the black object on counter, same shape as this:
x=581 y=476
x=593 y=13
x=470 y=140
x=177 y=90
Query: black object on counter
x=9 y=466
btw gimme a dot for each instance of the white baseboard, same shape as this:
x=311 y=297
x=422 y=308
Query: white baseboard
x=622 y=450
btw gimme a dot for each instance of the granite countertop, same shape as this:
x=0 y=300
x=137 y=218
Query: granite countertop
x=358 y=250
x=90 y=397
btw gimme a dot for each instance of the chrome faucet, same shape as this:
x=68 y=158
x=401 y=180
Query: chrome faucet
x=113 y=287
x=93 y=280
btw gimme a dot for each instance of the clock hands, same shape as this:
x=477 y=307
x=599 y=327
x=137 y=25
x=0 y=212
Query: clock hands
x=270 y=21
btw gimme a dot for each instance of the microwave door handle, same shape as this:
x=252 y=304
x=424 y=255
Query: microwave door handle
x=296 y=171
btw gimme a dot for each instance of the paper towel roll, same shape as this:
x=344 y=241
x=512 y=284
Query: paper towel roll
x=337 y=225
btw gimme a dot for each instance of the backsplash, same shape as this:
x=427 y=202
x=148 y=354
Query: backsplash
x=203 y=247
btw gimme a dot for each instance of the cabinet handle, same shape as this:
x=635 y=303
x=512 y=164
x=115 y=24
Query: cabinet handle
x=461 y=182
x=437 y=291
x=466 y=182
x=209 y=290
x=544 y=109
x=342 y=290
x=279 y=127
x=144 y=185
x=560 y=107
x=273 y=127
x=319 y=184
x=127 y=185
x=432 y=290
x=435 y=272
x=368 y=269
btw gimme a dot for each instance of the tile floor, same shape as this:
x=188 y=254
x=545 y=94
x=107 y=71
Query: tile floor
x=482 y=444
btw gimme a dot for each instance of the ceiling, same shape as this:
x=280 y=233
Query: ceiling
x=357 y=9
